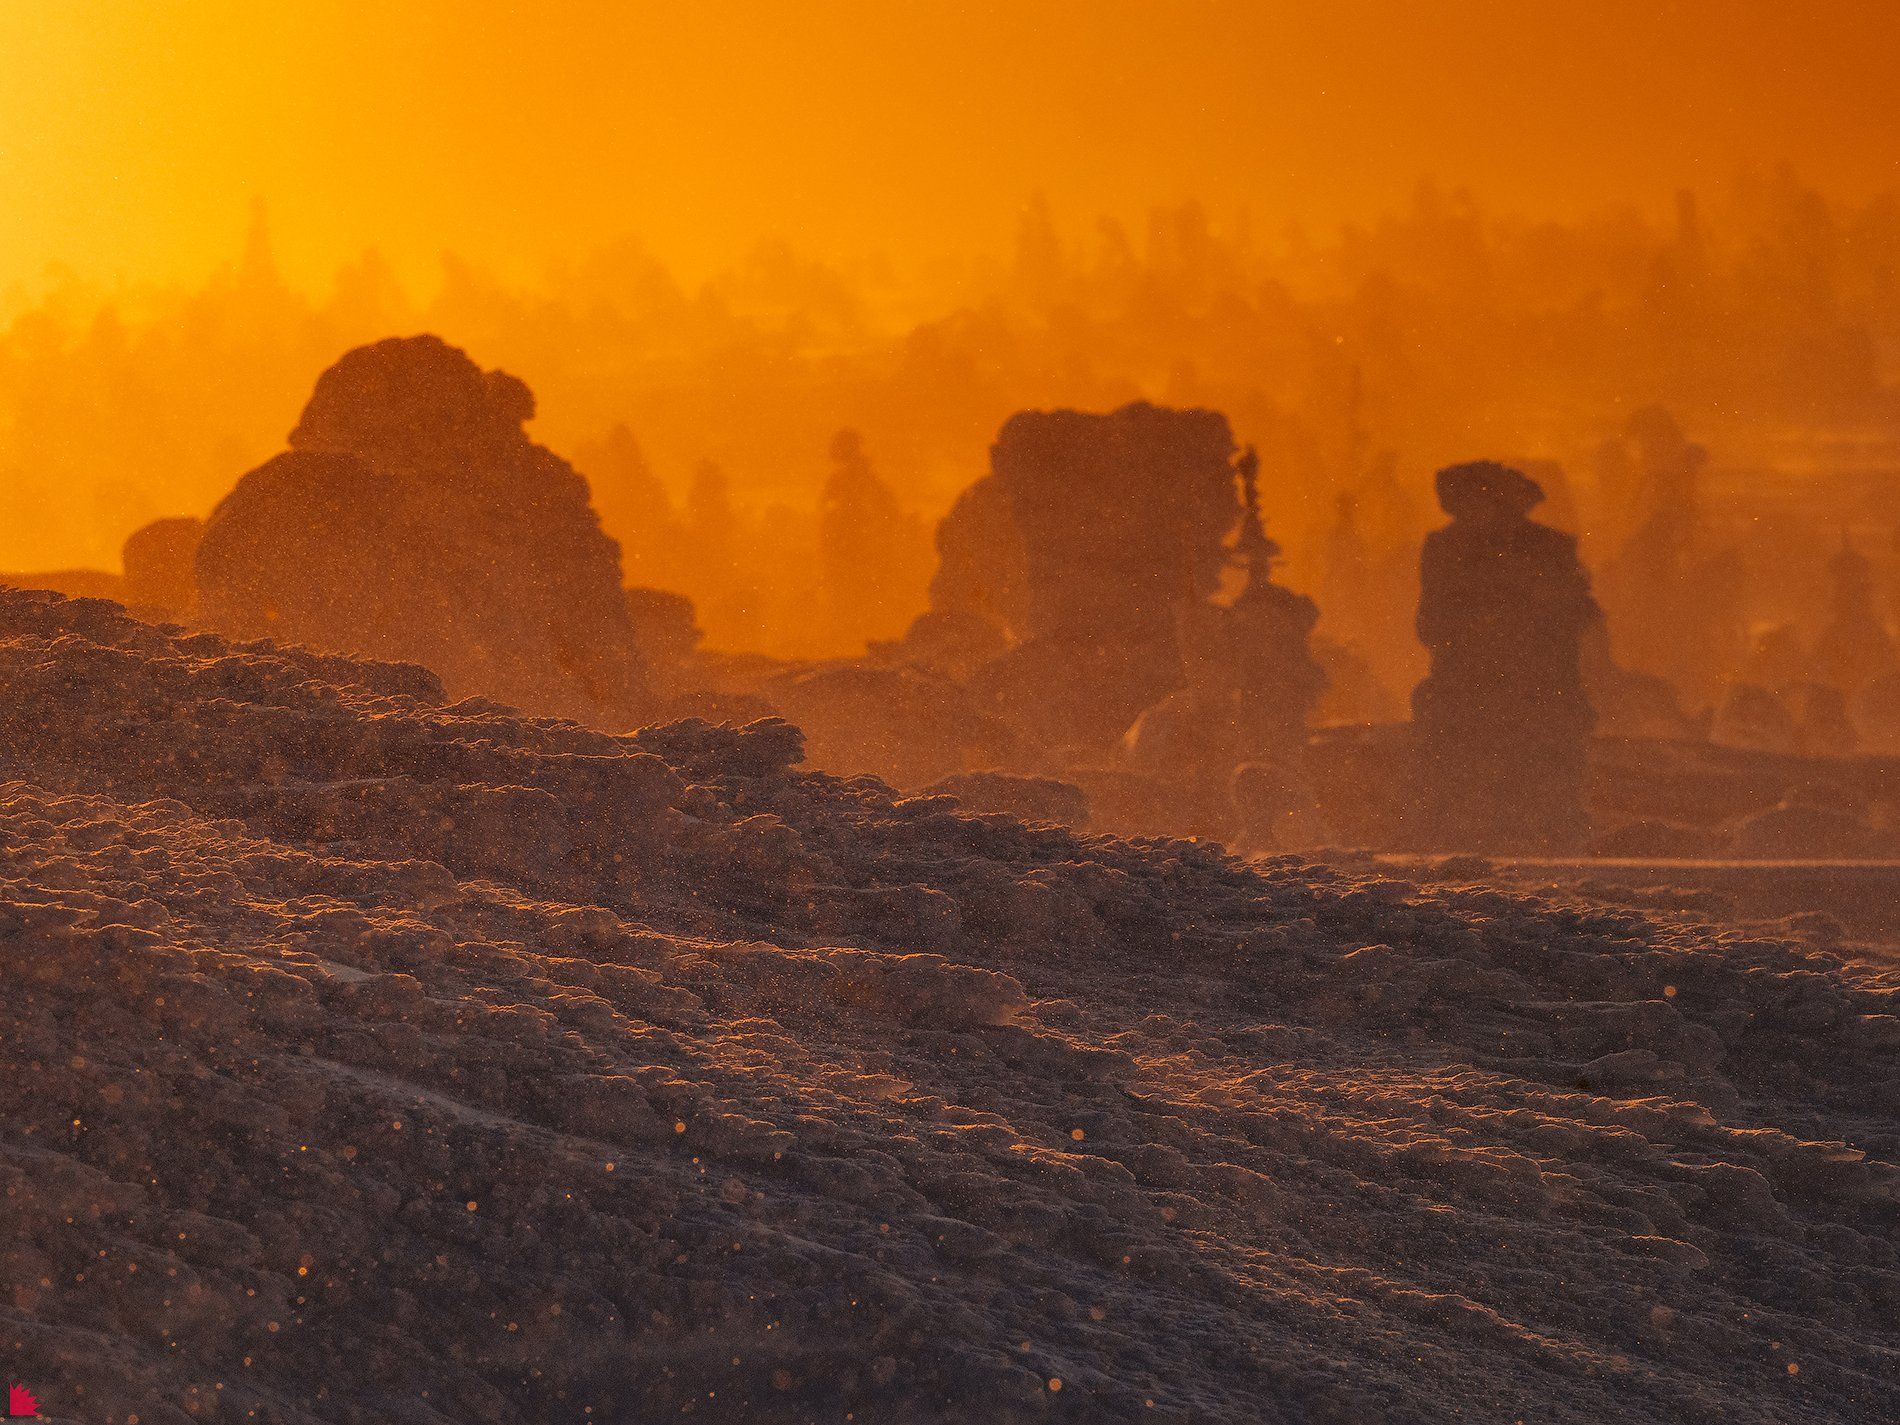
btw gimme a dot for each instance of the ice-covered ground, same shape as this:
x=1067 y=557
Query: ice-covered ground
x=366 y=1059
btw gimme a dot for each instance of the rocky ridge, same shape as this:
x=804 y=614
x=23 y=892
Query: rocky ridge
x=371 y=1057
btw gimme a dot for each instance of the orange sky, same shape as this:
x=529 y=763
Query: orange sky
x=134 y=136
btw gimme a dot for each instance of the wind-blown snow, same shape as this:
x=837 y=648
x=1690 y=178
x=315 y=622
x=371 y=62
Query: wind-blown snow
x=368 y=1059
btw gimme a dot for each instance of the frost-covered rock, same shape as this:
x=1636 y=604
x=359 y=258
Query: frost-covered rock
x=375 y=1057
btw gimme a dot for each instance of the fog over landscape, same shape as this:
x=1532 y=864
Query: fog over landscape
x=842 y=712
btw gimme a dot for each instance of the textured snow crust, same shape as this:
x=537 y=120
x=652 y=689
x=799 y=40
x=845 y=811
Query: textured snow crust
x=368 y=1059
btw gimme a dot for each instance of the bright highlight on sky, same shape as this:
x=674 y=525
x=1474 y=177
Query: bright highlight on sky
x=134 y=136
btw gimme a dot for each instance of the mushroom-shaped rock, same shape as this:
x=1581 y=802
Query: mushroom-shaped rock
x=413 y=519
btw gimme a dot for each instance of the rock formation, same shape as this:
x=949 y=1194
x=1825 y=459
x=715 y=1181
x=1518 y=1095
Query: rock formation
x=413 y=519
x=1502 y=722
x=160 y=562
x=1118 y=521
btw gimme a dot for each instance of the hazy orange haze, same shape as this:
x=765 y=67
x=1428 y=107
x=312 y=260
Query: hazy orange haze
x=134 y=136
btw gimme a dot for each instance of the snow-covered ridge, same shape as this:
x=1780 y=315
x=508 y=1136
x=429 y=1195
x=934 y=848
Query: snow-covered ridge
x=367 y=1058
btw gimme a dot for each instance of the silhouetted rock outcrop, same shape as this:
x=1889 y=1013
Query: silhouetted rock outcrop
x=980 y=576
x=1502 y=723
x=1084 y=542
x=869 y=546
x=412 y=518
x=1854 y=648
x=1674 y=591
x=160 y=566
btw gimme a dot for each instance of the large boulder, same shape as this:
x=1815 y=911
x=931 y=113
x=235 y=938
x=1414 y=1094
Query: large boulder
x=413 y=519
x=1122 y=516
x=1078 y=552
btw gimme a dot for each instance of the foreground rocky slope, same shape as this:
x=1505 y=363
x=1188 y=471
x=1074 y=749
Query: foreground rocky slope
x=369 y=1059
